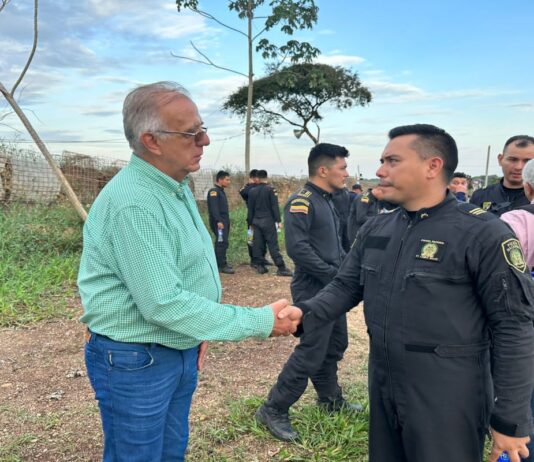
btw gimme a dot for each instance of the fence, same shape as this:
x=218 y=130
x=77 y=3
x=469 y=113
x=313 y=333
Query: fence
x=25 y=177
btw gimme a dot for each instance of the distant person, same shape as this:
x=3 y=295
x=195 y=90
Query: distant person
x=508 y=194
x=149 y=284
x=459 y=186
x=521 y=220
x=355 y=191
x=314 y=244
x=440 y=282
x=264 y=217
x=219 y=219
x=365 y=206
x=341 y=200
x=253 y=181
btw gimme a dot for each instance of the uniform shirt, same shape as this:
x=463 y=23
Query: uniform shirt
x=439 y=284
x=218 y=206
x=499 y=199
x=245 y=190
x=312 y=235
x=522 y=222
x=341 y=201
x=148 y=272
x=263 y=203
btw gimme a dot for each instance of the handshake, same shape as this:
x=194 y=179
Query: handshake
x=286 y=318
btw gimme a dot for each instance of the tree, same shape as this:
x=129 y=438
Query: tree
x=299 y=89
x=10 y=97
x=288 y=15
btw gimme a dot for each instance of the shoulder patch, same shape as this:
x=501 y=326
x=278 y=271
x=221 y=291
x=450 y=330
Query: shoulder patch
x=298 y=208
x=301 y=201
x=486 y=205
x=365 y=198
x=304 y=193
x=474 y=211
x=213 y=193
x=513 y=254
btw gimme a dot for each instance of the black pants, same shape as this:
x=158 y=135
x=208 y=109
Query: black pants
x=316 y=358
x=265 y=234
x=221 y=247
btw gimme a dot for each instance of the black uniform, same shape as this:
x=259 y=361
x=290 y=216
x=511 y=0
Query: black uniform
x=341 y=200
x=244 y=192
x=438 y=285
x=499 y=199
x=263 y=214
x=362 y=208
x=218 y=212
x=313 y=242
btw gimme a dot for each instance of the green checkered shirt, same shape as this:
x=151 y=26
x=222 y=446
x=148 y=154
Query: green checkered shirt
x=148 y=272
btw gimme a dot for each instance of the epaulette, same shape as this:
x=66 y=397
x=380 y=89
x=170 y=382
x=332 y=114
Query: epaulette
x=304 y=193
x=474 y=211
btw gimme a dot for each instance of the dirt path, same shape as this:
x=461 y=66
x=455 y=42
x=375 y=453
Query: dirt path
x=47 y=408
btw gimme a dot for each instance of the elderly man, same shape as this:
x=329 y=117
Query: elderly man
x=508 y=193
x=149 y=284
x=441 y=281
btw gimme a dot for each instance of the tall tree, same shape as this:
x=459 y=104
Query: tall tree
x=9 y=95
x=287 y=15
x=296 y=93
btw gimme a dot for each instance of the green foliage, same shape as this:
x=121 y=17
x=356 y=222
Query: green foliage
x=300 y=90
x=39 y=258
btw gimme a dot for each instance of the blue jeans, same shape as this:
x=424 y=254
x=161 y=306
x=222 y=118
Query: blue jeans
x=144 y=393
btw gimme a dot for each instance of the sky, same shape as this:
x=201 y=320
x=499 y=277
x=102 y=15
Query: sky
x=465 y=66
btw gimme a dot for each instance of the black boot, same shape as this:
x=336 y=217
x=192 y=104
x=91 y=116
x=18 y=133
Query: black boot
x=277 y=422
x=339 y=404
x=261 y=269
x=284 y=271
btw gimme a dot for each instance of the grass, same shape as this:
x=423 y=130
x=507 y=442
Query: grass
x=323 y=437
x=39 y=256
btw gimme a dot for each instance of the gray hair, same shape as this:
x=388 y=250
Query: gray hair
x=528 y=173
x=140 y=112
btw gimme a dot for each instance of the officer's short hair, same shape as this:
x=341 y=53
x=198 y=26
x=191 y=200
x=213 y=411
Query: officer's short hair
x=520 y=141
x=262 y=174
x=357 y=186
x=431 y=141
x=528 y=173
x=253 y=173
x=324 y=154
x=221 y=174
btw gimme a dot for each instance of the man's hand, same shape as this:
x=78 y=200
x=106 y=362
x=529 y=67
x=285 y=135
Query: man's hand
x=202 y=349
x=515 y=447
x=286 y=318
x=220 y=225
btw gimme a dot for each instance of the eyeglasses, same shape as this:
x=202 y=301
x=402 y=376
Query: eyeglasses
x=198 y=136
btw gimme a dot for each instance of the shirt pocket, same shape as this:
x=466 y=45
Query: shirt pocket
x=370 y=280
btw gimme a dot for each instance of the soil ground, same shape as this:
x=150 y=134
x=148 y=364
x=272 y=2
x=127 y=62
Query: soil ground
x=47 y=407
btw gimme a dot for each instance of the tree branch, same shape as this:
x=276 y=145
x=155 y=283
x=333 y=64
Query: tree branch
x=34 y=47
x=213 y=18
x=3 y=4
x=207 y=62
x=264 y=109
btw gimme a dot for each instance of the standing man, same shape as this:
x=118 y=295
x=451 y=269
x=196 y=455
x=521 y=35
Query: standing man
x=264 y=217
x=508 y=194
x=219 y=219
x=149 y=284
x=314 y=243
x=355 y=191
x=441 y=281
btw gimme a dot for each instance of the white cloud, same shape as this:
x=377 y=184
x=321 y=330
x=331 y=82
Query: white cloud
x=340 y=60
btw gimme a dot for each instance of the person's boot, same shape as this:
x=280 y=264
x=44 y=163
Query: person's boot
x=226 y=269
x=277 y=422
x=261 y=269
x=284 y=271
x=338 y=405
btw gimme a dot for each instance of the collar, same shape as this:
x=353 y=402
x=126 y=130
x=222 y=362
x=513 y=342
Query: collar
x=156 y=176
x=426 y=213
x=319 y=190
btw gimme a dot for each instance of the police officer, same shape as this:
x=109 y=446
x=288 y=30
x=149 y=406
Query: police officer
x=366 y=205
x=264 y=217
x=314 y=243
x=341 y=200
x=508 y=194
x=219 y=219
x=440 y=280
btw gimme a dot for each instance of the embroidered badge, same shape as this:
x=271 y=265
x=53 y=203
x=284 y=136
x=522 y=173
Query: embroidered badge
x=513 y=253
x=213 y=194
x=431 y=250
x=365 y=198
x=486 y=205
x=304 y=193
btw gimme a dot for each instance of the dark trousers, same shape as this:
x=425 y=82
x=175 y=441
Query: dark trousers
x=221 y=247
x=265 y=234
x=314 y=358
